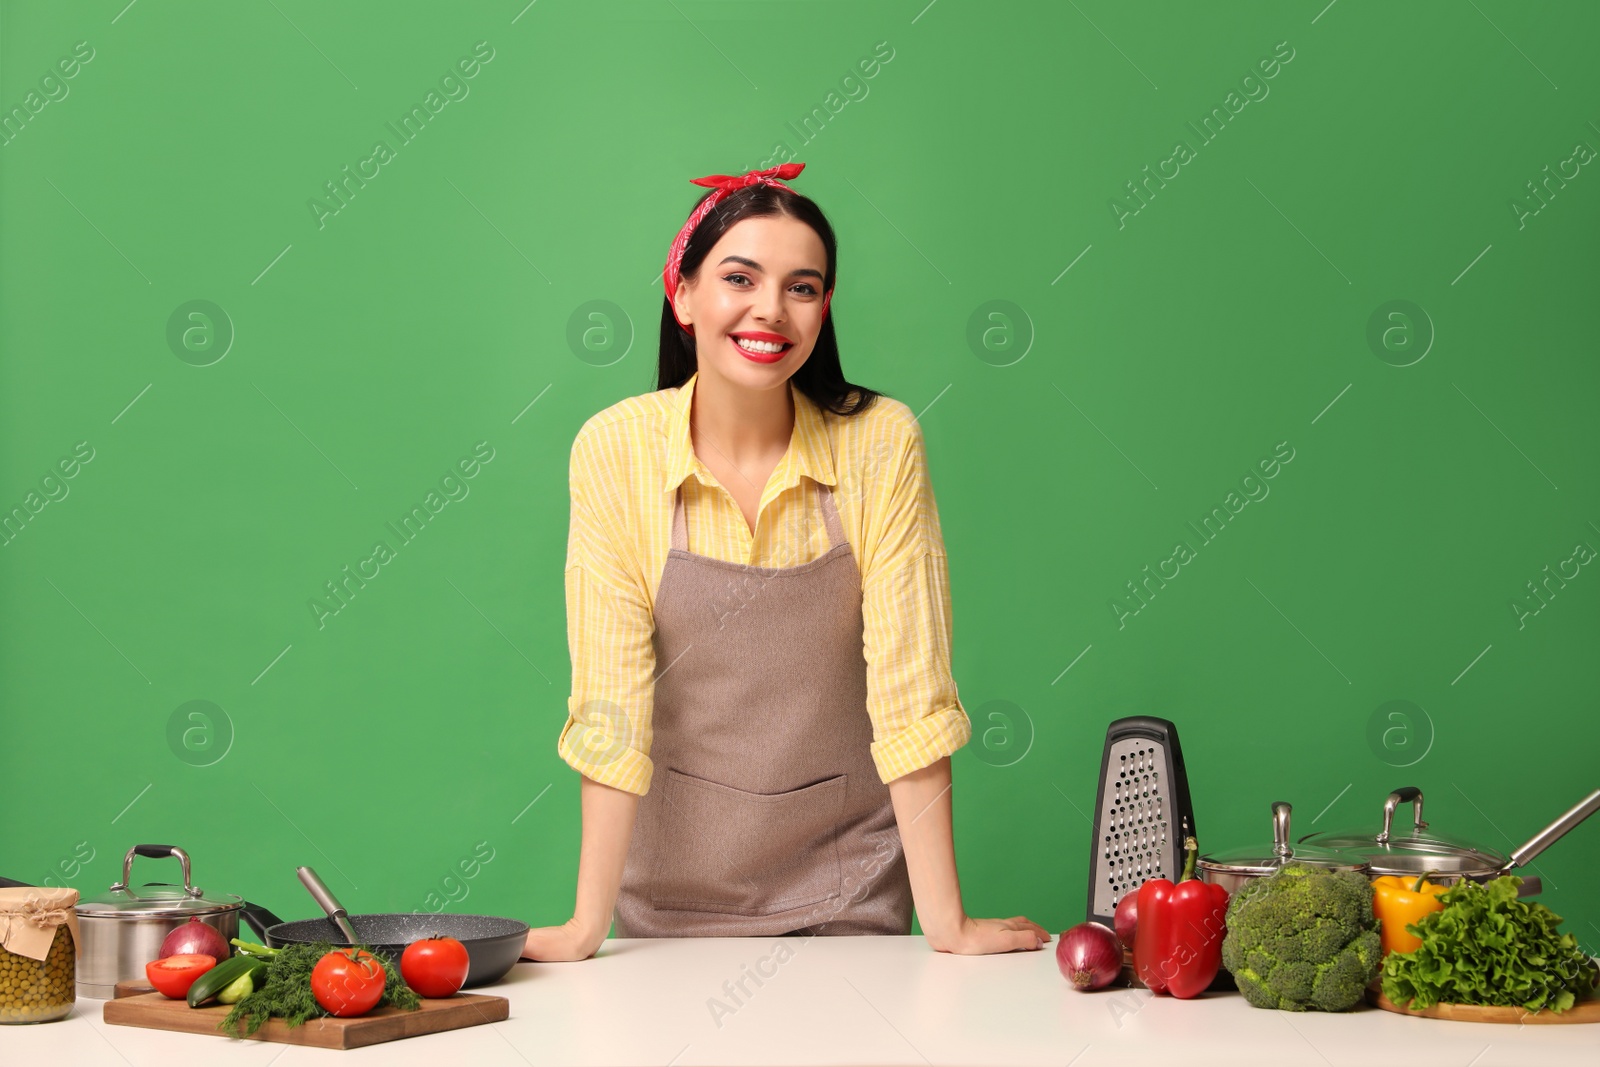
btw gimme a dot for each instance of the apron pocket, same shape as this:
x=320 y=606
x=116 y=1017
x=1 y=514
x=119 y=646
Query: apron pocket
x=727 y=850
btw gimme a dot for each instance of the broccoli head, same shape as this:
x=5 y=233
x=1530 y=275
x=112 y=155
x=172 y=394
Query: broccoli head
x=1303 y=939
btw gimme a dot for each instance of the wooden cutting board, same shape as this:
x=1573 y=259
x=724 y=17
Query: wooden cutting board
x=1585 y=1011
x=154 y=1011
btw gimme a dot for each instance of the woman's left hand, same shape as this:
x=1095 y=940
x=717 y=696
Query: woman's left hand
x=980 y=937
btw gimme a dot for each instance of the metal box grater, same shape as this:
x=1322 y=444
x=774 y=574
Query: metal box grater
x=1142 y=812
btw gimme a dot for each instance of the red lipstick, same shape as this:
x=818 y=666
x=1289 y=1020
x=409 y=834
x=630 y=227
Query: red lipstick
x=757 y=335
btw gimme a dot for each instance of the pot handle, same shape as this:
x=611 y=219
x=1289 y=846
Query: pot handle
x=1397 y=798
x=261 y=920
x=157 y=852
x=1280 y=830
x=1555 y=831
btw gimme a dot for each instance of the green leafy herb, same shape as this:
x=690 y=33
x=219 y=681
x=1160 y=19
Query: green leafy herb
x=287 y=990
x=1489 y=947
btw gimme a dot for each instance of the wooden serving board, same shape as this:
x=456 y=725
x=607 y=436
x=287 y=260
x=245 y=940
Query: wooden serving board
x=154 y=1011
x=1585 y=1011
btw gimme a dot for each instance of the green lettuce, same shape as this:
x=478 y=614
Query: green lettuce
x=1487 y=946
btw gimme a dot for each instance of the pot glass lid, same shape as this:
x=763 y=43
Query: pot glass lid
x=1414 y=853
x=1406 y=845
x=1422 y=862
x=1263 y=859
x=157 y=899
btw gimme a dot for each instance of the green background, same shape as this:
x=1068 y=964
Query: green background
x=1074 y=430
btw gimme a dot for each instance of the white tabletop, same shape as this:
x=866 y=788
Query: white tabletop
x=841 y=1000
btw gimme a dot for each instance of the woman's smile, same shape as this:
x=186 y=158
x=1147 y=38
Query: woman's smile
x=760 y=347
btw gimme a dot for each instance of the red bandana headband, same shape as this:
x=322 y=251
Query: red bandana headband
x=723 y=184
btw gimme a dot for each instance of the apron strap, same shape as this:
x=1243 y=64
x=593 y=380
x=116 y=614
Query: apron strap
x=830 y=516
x=680 y=531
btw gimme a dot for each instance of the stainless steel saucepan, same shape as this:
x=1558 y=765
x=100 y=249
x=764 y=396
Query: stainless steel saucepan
x=1415 y=850
x=1233 y=869
x=123 y=927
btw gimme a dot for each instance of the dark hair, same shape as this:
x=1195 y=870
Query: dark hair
x=820 y=377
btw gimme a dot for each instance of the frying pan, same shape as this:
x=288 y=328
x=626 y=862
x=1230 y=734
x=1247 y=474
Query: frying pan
x=493 y=943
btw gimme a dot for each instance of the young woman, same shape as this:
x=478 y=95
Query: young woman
x=762 y=708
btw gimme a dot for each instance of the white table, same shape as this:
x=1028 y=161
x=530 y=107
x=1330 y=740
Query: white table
x=840 y=1000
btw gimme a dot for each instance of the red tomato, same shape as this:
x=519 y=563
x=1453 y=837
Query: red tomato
x=435 y=966
x=173 y=975
x=348 y=982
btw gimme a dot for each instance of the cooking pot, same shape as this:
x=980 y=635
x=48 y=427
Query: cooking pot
x=1415 y=851
x=123 y=928
x=1233 y=869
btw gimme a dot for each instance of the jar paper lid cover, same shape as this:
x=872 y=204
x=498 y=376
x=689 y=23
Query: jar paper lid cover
x=29 y=916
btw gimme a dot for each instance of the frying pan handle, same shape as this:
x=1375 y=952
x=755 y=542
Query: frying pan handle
x=1397 y=798
x=1555 y=831
x=324 y=896
x=330 y=903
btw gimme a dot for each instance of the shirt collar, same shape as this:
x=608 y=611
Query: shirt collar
x=810 y=454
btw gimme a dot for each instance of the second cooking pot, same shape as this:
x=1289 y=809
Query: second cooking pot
x=1414 y=850
x=1231 y=870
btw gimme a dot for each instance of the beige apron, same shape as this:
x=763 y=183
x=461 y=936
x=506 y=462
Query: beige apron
x=765 y=814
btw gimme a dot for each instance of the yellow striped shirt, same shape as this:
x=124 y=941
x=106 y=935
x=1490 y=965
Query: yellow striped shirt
x=627 y=460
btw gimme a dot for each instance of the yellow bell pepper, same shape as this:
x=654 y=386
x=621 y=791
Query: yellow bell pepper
x=1398 y=900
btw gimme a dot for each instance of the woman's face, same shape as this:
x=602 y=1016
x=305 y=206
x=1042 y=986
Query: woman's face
x=762 y=281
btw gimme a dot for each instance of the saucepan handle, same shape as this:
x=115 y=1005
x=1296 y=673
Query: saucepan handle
x=1281 y=810
x=157 y=852
x=261 y=920
x=1555 y=831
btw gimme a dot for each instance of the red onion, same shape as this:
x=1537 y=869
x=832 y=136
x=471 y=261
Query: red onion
x=1127 y=917
x=196 y=937
x=1089 y=956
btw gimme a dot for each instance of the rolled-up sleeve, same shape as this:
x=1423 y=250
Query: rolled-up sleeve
x=917 y=716
x=609 y=629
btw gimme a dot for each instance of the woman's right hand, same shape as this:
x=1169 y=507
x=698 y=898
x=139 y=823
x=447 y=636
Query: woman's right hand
x=561 y=944
x=981 y=936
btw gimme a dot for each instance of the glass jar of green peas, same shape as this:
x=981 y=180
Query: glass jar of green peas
x=38 y=954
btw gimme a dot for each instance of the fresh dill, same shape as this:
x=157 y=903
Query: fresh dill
x=287 y=990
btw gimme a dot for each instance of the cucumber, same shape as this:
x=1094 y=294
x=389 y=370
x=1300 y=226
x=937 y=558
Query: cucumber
x=242 y=987
x=221 y=976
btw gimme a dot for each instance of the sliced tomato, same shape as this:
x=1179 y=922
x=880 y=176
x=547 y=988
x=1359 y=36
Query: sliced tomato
x=173 y=975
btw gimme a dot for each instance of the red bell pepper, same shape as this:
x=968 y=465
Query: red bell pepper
x=1177 y=947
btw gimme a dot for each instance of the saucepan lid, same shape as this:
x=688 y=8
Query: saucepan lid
x=1412 y=849
x=123 y=901
x=1265 y=859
